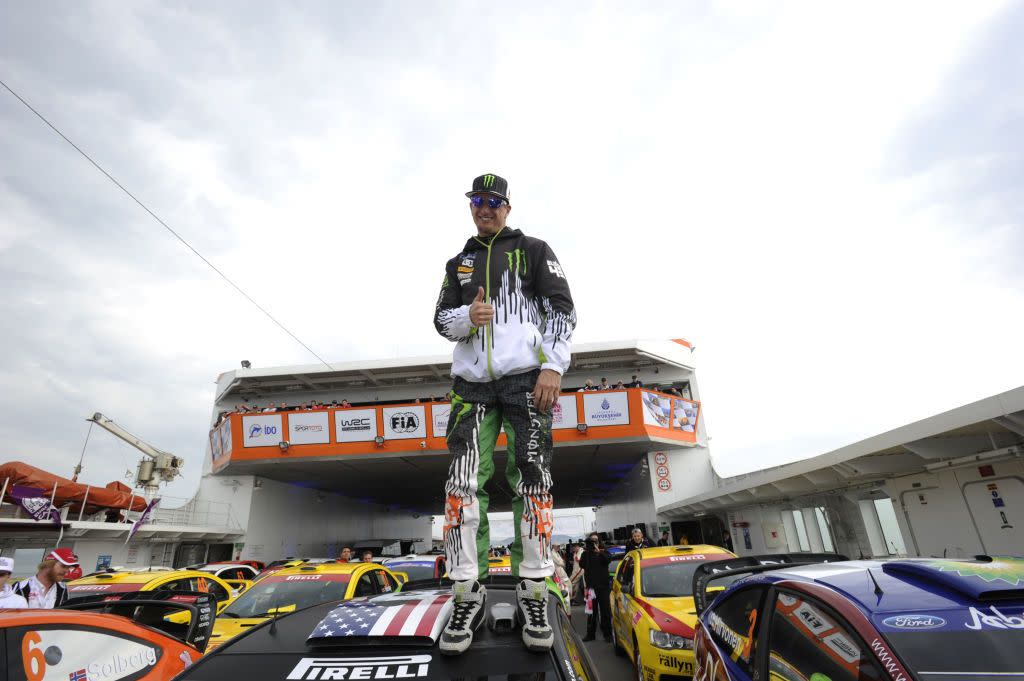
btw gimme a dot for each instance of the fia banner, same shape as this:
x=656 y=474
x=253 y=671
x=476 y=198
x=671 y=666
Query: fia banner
x=143 y=519
x=355 y=425
x=606 y=408
x=405 y=423
x=563 y=413
x=308 y=428
x=35 y=502
x=657 y=409
x=262 y=430
x=440 y=411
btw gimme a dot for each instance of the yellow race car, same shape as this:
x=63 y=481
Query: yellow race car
x=122 y=581
x=299 y=587
x=652 y=608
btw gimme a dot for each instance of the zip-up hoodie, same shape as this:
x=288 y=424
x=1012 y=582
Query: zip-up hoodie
x=533 y=312
x=11 y=599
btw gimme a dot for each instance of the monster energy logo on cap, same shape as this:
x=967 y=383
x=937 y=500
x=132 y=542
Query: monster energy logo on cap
x=490 y=184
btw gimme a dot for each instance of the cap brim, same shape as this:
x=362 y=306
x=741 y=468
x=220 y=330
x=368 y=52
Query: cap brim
x=489 y=193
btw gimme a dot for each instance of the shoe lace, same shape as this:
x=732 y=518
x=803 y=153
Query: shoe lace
x=536 y=612
x=460 y=615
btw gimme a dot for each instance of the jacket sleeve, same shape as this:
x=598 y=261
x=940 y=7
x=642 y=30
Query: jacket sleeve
x=451 y=317
x=557 y=310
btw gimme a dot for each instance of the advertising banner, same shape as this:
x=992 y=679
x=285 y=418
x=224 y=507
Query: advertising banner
x=225 y=437
x=405 y=423
x=563 y=414
x=685 y=416
x=308 y=428
x=355 y=425
x=262 y=430
x=215 y=444
x=657 y=409
x=441 y=411
x=605 y=408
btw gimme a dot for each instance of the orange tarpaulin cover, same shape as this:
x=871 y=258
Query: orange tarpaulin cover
x=114 y=495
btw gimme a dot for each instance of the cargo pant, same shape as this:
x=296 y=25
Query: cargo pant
x=479 y=411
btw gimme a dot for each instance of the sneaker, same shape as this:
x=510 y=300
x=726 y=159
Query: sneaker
x=532 y=613
x=468 y=613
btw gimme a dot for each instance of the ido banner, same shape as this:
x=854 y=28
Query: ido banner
x=405 y=423
x=355 y=425
x=563 y=414
x=308 y=428
x=262 y=430
x=604 y=408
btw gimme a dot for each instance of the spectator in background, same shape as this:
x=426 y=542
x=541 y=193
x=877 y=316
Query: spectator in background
x=604 y=384
x=619 y=386
x=346 y=554
x=561 y=578
x=664 y=541
x=589 y=385
x=282 y=407
x=727 y=540
x=671 y=390
x=46 y=589
x=594 y=563
x=345 y=404
x=683 y=540
x=270 y=408
x=635 y=383
x=637 y=540
x=366 y=556
x=8 y=597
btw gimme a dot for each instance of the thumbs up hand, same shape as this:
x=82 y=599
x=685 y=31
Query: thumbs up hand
x=480 y=311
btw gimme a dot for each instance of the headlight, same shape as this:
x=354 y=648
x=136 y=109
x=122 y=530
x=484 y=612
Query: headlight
x=666 y=641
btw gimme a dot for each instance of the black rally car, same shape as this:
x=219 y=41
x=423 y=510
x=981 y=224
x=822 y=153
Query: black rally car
x=394 y=636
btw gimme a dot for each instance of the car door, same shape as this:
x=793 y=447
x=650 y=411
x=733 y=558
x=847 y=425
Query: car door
x=809 y=640
x=363 y=584
x=622 y=593
x=729 y=636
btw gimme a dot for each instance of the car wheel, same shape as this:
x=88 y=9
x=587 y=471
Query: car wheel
x=636 y=661
x=616 y=646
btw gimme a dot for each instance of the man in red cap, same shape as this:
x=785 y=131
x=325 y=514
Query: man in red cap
x=46 y=588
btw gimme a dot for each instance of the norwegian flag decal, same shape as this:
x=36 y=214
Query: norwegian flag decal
x=420 y=614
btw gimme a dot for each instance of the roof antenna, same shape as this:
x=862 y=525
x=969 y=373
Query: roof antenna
x=878 y=589
x=273 y=622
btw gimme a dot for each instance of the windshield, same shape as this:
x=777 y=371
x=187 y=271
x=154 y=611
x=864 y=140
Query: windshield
x=293 y=592
x=418 y=570
x=962 y=655
x=667 y=578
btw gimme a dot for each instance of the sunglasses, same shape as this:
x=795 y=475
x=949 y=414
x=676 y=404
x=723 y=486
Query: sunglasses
x=492 y=202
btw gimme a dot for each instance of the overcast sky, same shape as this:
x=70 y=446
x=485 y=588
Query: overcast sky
x=825 y=200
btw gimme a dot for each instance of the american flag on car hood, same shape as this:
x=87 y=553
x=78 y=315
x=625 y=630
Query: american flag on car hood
x=414 y=617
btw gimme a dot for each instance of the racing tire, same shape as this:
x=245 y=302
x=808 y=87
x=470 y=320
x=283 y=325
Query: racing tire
x=616 y=646
x=636 y=661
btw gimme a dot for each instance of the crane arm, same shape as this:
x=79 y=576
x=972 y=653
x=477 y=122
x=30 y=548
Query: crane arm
x=111 y=427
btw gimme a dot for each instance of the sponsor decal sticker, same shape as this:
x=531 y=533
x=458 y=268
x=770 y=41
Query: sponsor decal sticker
x=914 y=622
x=674 y=663
x=328 y=668
x=994 y=618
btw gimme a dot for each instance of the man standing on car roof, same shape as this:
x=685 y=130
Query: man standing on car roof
x=505 y=302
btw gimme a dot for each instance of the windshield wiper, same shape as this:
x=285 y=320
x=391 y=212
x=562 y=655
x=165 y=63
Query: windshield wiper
x=228 y=614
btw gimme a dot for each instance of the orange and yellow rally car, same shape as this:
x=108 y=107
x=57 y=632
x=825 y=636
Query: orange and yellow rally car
x=653 y=614
x=98 y=639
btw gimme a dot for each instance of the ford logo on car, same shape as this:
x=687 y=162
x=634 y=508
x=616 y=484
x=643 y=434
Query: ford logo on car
x=914 y=622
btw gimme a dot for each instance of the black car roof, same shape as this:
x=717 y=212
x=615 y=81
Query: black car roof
x=278 y=650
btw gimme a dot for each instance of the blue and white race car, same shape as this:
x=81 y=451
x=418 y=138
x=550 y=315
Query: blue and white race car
x=924 y=619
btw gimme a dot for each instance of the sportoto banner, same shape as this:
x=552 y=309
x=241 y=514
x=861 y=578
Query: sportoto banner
x=355 y=425
x=405 y=423
x=657 y=409
x=440 y=412
x=685 y=417
x=262 y=430
x=604 y=408
x=308 y=428
x=564 y=414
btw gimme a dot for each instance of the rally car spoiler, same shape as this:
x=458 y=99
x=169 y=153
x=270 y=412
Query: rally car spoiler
x=151 y=608
x=749 y=565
